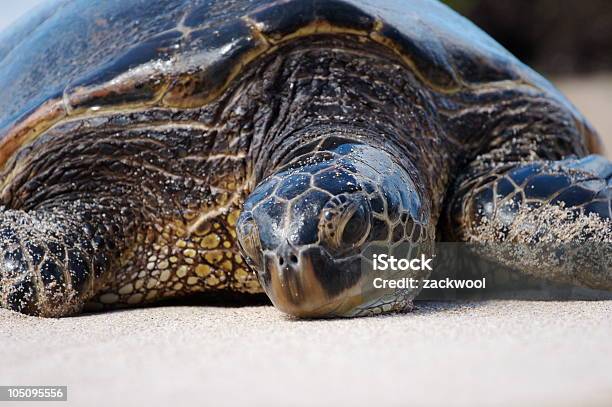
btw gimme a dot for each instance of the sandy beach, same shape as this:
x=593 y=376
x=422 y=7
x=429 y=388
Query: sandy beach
x=500 y=353
x=495 y=353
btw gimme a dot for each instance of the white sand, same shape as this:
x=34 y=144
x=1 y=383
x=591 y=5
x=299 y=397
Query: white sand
x=500 y=353
x=490 y=353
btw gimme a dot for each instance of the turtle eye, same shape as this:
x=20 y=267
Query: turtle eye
x=345 y=223
x=248 y=240
x=355 y=227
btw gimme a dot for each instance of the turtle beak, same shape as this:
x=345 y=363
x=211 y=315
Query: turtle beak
x=294 y=285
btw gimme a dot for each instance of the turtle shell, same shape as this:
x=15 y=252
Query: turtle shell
x=71 y=57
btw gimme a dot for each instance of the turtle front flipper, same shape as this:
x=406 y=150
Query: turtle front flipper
x=53 y=259
x=559 y=211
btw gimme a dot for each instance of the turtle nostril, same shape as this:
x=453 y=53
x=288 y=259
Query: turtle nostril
x=293 y=258
x=281 y=260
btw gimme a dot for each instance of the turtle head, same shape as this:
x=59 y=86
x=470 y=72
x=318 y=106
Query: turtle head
x=304 y=229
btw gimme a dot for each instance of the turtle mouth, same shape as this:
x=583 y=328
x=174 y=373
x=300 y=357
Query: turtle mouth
x=297 y=285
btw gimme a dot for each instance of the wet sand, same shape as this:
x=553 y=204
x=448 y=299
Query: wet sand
x=499 y=353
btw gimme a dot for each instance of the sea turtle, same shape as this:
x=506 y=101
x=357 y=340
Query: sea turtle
x=154 y=149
